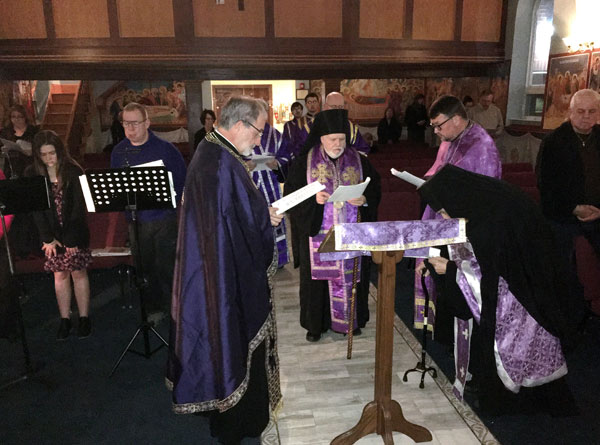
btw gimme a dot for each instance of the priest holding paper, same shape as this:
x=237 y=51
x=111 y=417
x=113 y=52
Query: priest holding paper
x=326 y=286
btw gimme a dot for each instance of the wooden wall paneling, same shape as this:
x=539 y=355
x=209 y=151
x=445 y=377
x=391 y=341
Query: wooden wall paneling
x=22 y=19
x=113 y=19
x=226 y=20
x=183 y=18
x=309 y=18
x=408 y=18
x=482 y=21
x=458 y=21
x=270 y=19
x=350 y=21
x=382 y=19
x=73 y=21
x=434 y=19
x=150 y=18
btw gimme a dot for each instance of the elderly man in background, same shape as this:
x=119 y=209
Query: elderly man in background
x=488 y=115
x=223 y=357
x=335 y=100
x=569 y=173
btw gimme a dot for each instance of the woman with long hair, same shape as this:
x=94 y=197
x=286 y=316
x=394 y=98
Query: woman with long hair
x=63 y=230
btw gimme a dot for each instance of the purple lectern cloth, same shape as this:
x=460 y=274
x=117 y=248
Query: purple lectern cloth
x=399 y=235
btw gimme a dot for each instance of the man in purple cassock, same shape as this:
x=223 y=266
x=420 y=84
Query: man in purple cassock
x=222 y=350
x=508 y=284
x=326 y=286
x=467 y=145
x=272 y=144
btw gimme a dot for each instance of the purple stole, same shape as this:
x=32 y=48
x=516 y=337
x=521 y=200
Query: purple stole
x=346 y=170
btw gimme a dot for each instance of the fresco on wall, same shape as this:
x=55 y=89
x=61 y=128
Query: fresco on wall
x=164 y=100
x=468 y=86
x=367 y=99
x=318 y=87
x=594 y=73
x=566 y=75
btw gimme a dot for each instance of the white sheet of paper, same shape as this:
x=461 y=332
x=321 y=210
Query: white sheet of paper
x=346 y=192
x=261 y=162
x=423 y=252
x=158 y=163
x=287 y=202
x=87 y=195
x=412 y=179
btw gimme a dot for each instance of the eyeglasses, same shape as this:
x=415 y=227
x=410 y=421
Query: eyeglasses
x=132 y=124
x=260 y=132
x=438 y=127
x=17 y=116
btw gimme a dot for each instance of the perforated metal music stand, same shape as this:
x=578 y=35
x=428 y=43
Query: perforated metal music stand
x=21 y=195
x=131 y=189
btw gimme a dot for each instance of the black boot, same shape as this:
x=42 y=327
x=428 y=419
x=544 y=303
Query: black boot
x=64 y=329
x=84 y=329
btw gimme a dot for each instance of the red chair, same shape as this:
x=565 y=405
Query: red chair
x=399 y=206
x=588 y=272
x=521 y=179
x=517 y=167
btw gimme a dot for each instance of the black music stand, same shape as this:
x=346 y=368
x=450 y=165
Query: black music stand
x=22 y=195
x=131 y=189
x=421 y=366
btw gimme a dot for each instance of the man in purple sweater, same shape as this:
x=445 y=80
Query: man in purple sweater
x=157 y=228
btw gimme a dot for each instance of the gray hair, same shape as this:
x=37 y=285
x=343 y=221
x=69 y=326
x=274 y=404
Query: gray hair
x=584 y=93
x=240 y=108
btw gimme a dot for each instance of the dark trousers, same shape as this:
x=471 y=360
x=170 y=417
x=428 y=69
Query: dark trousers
x=158 y=240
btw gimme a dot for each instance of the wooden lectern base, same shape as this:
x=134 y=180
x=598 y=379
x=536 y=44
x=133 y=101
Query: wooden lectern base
x=384 y=415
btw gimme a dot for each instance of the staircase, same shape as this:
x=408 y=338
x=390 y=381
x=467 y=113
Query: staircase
x=67 y=114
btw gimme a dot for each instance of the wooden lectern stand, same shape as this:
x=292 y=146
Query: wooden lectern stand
x=384 y=415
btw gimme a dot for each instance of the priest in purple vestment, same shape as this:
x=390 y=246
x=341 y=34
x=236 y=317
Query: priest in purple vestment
x=222 y=355
x=468 y=146
x=267 y=181
x=326 y=286
x=510 y=281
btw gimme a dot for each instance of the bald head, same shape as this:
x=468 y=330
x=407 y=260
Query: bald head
x=334 y=100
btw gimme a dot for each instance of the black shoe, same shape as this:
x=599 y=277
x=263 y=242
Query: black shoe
x=312 y=337
x=64 y=329
x=84 y=329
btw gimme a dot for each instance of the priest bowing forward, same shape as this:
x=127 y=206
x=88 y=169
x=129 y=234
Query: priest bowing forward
x=326 y=286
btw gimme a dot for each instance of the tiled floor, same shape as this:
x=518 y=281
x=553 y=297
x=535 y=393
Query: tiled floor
x=324 y=393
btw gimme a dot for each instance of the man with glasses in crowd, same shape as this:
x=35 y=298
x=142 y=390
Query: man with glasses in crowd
x=157 y=229
x=467 y=145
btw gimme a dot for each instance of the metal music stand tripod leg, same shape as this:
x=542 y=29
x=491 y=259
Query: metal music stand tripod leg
x=26 y=356
x=145 y=326
x=421 y=366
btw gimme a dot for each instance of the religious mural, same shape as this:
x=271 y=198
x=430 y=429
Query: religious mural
x=594 y=72
x=164 y=100
x=566 y=75
x=367 y=99
x=468 y=86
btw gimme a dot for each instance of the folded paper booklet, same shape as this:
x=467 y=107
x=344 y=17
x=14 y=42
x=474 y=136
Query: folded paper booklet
x=261 y=162
x=347 y=192
x=412 y=179
x=287 y=202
